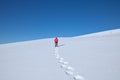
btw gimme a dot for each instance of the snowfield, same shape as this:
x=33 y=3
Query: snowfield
x=89 y=57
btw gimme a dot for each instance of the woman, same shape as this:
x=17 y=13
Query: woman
x=56 y=42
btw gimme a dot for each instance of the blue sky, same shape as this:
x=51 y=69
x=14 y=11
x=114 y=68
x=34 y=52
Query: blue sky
x=22 y=20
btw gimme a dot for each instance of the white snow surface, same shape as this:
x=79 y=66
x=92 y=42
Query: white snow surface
x=89 y=57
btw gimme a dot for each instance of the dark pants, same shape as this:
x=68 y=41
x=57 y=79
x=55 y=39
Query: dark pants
x=56 y=44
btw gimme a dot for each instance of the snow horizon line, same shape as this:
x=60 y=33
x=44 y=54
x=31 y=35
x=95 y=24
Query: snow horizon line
x=84 y=35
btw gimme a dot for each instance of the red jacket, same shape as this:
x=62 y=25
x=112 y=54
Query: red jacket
x=56 y=39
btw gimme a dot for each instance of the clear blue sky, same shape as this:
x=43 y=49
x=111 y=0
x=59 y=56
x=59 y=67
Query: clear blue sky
x=30 y=19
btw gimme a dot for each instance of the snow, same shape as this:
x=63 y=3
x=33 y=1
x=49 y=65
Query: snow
x=89 y=57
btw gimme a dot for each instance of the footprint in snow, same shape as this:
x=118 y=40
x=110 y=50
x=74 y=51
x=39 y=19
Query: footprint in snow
x=69 y=73
x=78 y=77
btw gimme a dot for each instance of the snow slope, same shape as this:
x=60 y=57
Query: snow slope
x=90 y=57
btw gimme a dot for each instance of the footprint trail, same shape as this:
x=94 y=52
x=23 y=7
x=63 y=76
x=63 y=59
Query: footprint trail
x=70 y=71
